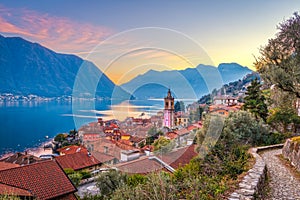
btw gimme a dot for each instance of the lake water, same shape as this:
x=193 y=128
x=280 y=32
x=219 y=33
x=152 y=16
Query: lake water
x=26 y=124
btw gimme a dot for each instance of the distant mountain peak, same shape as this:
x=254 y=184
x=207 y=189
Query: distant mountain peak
x=30 y=68
x=187 y=83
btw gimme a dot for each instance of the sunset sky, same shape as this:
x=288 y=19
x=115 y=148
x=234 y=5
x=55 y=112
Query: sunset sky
x=126 y=38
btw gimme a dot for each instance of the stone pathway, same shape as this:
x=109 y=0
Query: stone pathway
x=282 y=184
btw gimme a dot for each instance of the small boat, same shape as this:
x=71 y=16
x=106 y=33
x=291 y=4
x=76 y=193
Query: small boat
x=46 y=136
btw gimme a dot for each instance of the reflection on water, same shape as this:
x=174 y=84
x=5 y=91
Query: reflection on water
x=25 y=124
x=126 y=109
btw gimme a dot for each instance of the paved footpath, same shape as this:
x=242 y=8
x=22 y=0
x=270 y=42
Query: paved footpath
x=282 y=184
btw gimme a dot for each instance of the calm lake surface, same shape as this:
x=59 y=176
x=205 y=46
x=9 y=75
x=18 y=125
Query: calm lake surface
x=26 y=124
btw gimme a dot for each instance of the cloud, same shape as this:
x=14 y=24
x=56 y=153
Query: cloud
x=58 y=33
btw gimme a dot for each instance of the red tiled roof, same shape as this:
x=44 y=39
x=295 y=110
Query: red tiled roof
x=45 y=180
x=21 y=159
x=198 y=124
x=10 y=190
x=77 y=161
x=102 y=157
x=5 y=165
x=191 y=127
x=139 y=166
x=148 y=147
x=171 y=135
x=72 y=149
x=126 y=142
x=105 y=146
x=113 y=125
x=93 y=124
x=136 y=139
x=182 y=131
x=123 y=146
x=91 y=134
x=179 y=157
x=144 y=165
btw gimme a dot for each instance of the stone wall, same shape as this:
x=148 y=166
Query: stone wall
x=291 y=151
x=253 y=183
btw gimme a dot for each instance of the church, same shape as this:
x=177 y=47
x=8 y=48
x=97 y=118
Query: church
x=169 y=111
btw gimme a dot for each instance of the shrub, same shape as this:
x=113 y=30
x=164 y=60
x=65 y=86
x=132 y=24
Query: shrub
x=69 y=171
x=85 y=174
x=75 y=178
x=136 y=179
x=109 y=181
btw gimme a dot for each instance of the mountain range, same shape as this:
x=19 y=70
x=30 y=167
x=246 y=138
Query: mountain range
x=29 y=68
x=190 y=83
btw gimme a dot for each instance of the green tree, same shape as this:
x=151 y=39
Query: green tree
x=8 y=196
x=75 y=178
x=59 y=137
x=196 y=115
x=85 y=174
x=158 y=186
x=152 y=131
x=245 y=129
x=73 y=132
x=69 y=171
x=279 y=60
x=161 y=143
x=255 y=101
x=281 y=118
x=136 y=179
x=179 y=106
x=209 y=134
x=109 y=181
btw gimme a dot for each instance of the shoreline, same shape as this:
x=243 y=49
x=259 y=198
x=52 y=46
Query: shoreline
x=35 y=151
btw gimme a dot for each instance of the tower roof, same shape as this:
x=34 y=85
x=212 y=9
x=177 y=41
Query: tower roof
x=169 y=96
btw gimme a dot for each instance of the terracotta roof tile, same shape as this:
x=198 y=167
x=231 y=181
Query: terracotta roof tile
x=5 y=165
x=191 y=127
x=72 y=149
x=171 y=135
x=77 y=161
x=11 y=190
x=105 y=146
x=123 y=146
x=182 y=131
x=144 y=165
x=136 y=139
x=45 y=180
x=21 y=159
x=139 y=166
x=102 y=157
x=148 y=148
x=179 y=157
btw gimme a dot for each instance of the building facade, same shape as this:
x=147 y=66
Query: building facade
x=169 y=110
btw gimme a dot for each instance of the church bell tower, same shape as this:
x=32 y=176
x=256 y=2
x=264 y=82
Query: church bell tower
x=169 y=110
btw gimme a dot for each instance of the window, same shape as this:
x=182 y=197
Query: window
x=167 y=104
x=105 y=149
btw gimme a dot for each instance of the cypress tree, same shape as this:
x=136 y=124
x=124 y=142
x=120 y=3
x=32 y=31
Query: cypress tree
x=255 y=101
